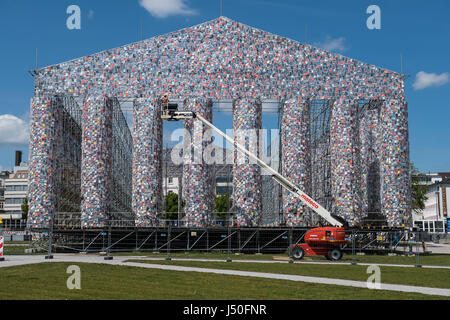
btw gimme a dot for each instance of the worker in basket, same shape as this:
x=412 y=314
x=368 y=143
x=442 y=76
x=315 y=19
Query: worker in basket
x=165 y=100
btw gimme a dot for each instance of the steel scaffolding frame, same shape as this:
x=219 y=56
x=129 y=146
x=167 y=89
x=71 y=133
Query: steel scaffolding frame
x=68 y=163
x=373 y=214
x=221 y=239
x=69 y=159
x=122 y=151
x=320 y=155
x=166 y=239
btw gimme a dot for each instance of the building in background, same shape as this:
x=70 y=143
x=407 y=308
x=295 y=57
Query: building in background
x=434 y=218
x=171 y=185
x=15 y=191
x=3 y=176
x=172 y=175
x=224 y=185
x=432 y=178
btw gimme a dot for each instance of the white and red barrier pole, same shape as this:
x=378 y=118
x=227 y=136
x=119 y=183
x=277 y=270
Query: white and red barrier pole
x=2 y=240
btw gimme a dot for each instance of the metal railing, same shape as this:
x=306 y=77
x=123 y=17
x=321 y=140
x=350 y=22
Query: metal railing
x=14 y=224
x=72 y=220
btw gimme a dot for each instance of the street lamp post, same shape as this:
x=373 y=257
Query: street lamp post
x=49 y=256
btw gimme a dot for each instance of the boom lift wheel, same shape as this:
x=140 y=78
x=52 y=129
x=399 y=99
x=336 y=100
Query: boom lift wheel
x=297 y=253
x=334 y=254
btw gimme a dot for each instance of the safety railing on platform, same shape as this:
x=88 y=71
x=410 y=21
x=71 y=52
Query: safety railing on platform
x=168 y=236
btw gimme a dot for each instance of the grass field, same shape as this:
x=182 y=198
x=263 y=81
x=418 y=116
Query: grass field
x=437 y=278
x=17 y=248
x=104 y=282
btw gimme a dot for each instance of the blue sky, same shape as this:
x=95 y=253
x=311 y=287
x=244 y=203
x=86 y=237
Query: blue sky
x=418 y=30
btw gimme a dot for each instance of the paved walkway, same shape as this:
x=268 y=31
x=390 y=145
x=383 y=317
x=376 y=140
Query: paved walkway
x=32 y=259
x=438 y=248
x=296 y=262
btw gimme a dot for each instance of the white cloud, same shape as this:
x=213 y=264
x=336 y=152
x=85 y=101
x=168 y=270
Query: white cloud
x=330 y=44
x=425 y=80
x=13 y=130
x=165 y=8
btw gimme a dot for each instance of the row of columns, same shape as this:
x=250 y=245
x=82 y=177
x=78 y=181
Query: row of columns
x=370 y=162
x=46 y=148
x=198 y=187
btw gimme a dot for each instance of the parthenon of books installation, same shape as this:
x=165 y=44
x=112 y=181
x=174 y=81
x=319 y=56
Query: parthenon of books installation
x=218 y=60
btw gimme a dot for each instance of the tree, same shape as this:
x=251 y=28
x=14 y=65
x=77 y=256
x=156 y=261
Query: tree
x=222 y=206
x=418 y=191
x=171 y=206
x=25 y=208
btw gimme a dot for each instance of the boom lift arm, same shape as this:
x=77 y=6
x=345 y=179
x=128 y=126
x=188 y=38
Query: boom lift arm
x=173 y=115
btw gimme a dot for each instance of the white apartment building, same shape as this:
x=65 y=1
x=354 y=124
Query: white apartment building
x=435 y=216
x=3 y=176
x=170 y=185
x=15 y=191
x=432 y=178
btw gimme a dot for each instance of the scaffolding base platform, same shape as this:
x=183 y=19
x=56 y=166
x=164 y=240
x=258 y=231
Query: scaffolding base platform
x=271 y=240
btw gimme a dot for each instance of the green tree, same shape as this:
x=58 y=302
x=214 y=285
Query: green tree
x=25 y=208
x=223 y=204
x=171 y=206
x=418 y=191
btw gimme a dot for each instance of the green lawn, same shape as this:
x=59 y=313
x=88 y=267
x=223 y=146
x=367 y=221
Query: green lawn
x=17 y=242
x=48 y=281
x=437 y=278
x=17 y=248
